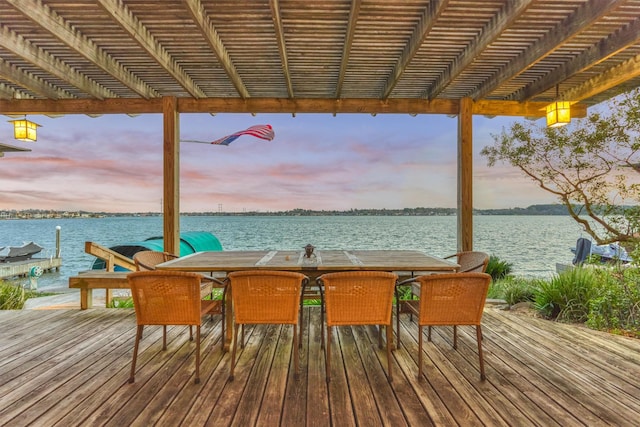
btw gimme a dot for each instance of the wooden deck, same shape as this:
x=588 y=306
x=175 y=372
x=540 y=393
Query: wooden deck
x=70 y=367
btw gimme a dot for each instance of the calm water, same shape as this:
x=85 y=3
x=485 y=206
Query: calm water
x=532 y=243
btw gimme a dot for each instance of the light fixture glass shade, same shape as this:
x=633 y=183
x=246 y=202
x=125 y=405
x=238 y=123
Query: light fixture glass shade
x=558 y=114
x=24 y=130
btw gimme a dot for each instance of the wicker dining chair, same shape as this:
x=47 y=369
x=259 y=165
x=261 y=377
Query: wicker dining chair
x=469 y=261
x=359 y=298
x=265 y=297
x=167 y=298
x=210 y=286
x=451 y=300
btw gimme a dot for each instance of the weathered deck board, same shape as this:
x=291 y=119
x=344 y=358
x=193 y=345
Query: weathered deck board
x=70 y=367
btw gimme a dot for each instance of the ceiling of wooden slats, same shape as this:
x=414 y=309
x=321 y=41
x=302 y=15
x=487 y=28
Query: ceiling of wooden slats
x=366 y=52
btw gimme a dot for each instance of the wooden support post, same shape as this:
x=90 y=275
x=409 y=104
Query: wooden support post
x=171 y=201
x=465 y=175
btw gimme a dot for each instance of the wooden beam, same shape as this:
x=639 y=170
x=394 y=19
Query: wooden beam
x=521 y=109
x=201 y=17
x=465 y=175
x=511 y=11
x=171 y=200
x=612 y=77
x=319 y=105
x=599 y=52
x=43 y=16
x=41 y=59
x=29 y=82
x=138 y=32
x=278 y=105
x=282 y=47
x=578 y=22
x=346 y=46
x=428 y=19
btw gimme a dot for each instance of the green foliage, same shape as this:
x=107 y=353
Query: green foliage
x=121 y=302
x=498 y=268
x=616 y=308
x=513 y=289
x=13 y=296
x=567 y=296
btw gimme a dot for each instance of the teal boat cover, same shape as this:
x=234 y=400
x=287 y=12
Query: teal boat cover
x=190 y=242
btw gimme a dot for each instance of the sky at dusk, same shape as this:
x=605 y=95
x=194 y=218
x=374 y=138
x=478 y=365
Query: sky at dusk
x=113 y=163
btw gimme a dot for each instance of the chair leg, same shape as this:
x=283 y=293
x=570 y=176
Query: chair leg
x=397 y=317
x=379 y=336
x=223 y=310
x=389 y=330
x=327 y=352
x=295 y=349
x=164 y=337
x=233 y=351
x=135 y=353
x=197 y=354
x=190 y=333
x=419 y=351
x=429 y=334
x=455 y=337
x=242 y=342
x=480 y=358
x=301 y=318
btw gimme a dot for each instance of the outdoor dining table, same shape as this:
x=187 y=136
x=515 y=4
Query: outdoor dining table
x=402 y=262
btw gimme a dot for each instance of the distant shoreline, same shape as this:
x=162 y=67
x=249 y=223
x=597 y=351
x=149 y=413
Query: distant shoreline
x=554 y=209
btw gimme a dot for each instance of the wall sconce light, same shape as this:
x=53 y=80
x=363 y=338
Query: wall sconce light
x=24 y=130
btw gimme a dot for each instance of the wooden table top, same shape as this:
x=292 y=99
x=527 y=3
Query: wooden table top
x=324 y=261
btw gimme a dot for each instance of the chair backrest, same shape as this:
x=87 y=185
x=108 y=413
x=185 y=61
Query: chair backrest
x=263 y=296
x=166 y=297
x=358 y=297
x=473 y=262
x=452 y=299
x=147 y=260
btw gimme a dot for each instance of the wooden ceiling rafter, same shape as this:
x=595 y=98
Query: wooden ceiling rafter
x=348 y=42
x=210 y=34
x=282 y=45
x=609 y=79
x=581 y=19
x=31 y=83
x=24 y=49
x=420 y=33
x=54 y=24
x=132 y=25
x=499 y=23
x=606 y=48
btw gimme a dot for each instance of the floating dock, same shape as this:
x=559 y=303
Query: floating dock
x=29 y=266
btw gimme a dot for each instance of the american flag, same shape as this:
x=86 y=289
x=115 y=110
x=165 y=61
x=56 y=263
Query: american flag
x=259 y=131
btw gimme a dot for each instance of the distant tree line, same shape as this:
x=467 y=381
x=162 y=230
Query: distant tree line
x=552 y=209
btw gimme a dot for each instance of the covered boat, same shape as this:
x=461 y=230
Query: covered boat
x=19 y=253
x=190 y=242
x=607 y=253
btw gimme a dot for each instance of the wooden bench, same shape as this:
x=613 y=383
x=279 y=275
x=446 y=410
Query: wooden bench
x=98 y=279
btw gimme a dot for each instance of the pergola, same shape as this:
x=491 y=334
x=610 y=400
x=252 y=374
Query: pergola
x=454 y=57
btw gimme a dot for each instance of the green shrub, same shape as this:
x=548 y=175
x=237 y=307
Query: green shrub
x=121 y=302
x=567 y=296
x=13 y=296
x=513 y=289
x=616 y=307
x=498 y=268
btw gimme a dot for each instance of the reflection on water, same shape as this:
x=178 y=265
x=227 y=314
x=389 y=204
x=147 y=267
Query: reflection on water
x=533 y=244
